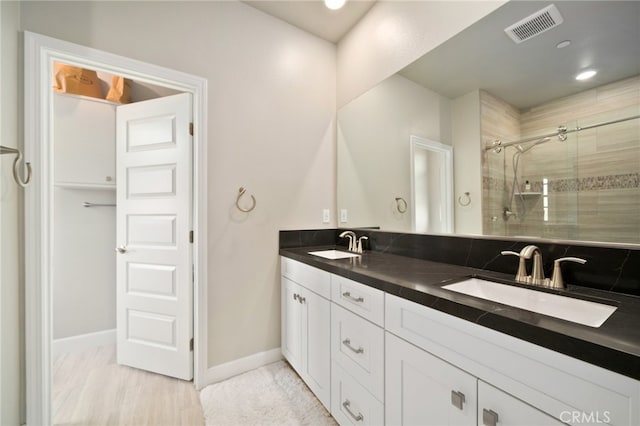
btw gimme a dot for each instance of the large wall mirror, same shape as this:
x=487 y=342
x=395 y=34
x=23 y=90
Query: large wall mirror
x=536 y=152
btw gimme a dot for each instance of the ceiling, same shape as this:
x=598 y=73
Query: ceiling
x=605 y=35
x=314 y=17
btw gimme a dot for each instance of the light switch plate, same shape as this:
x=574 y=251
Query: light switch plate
x=326 y=216
x=343 y=215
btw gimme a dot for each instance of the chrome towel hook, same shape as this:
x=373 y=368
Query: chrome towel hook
x=465 y=199
x=16 y=165
x=401 y=205
x=241 y=192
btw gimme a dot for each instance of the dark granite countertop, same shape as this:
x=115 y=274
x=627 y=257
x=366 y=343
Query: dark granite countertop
x=615 y=345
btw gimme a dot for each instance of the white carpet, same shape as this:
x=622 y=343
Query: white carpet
x=270 y=395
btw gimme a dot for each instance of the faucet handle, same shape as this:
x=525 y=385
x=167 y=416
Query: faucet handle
x=359 y=245
x=521 y=275
x=556 y=279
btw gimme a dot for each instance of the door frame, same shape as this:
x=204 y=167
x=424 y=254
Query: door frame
x=39 y=54
x=418 y=143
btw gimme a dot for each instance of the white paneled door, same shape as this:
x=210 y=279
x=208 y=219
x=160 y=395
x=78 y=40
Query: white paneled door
x=154 y=217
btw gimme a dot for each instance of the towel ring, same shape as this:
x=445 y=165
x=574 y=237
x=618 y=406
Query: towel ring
x=401 y=204
x=241 y=192
x=16 y=166
x=464 y=200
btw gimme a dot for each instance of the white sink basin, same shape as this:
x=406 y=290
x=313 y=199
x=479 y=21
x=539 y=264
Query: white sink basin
x=333 y=254
x=580 y=311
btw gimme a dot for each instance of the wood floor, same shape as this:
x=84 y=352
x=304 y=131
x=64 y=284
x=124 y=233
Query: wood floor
x=89 y=388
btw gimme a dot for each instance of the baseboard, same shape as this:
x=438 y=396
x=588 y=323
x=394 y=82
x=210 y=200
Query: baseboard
x=83 y=342
x=242 y=365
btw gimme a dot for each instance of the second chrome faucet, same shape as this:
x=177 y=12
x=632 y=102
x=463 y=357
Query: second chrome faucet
x=537 y=272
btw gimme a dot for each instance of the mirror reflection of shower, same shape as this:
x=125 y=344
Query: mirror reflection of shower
x=508 y=210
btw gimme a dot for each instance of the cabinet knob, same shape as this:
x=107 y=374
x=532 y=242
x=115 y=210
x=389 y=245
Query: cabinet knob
x=457 y=399
x=302 y=299
x=295 y=296
x=489 y=417
x=108 y=178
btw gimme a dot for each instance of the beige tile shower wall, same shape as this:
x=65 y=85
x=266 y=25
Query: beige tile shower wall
x=499 y=120
x=594 y=175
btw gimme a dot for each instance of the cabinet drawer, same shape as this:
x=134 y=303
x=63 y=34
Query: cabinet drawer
x=363 y=300
x=358 y=346
x=314 y=279
x=351 y=403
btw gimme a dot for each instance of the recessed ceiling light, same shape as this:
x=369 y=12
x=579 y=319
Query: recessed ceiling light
x=334 y=4
x=586 y=75
x=563 y=44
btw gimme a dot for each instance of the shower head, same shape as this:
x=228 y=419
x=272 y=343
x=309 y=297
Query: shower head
x=522 y=150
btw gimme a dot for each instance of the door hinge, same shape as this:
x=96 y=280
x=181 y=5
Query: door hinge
x=191 y=344
x=191 y=129
x=191 y=236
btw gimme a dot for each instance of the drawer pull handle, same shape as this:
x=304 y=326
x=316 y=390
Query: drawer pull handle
x=347 y=343
x=350 y=297
x=489 y=417
x=457 y=399
x=346 y=404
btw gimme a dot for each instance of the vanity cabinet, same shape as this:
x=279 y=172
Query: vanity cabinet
x=84 y=142
x=424 y=390
x=522 y=382
x=306 y=323
x=375 y=358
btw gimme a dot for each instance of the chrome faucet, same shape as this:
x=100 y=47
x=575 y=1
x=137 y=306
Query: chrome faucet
x=352 y=239
x=537 y=273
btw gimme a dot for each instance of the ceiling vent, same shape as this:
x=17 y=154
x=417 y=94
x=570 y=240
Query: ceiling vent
x=535 y=24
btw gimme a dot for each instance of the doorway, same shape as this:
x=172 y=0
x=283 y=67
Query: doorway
x=40 y=54
x=431 y=186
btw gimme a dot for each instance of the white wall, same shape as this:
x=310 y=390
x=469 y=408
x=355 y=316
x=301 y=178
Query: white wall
x=395 y=33
x=11 y=280
x=271 y=130
x=467 y=163
x=84 y=278
x=373 y=149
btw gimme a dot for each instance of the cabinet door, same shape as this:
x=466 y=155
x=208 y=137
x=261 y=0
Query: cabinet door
x=316 y=342
x=291 y=323
x=84 y=141
x=421 y=389
x=496 y=407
